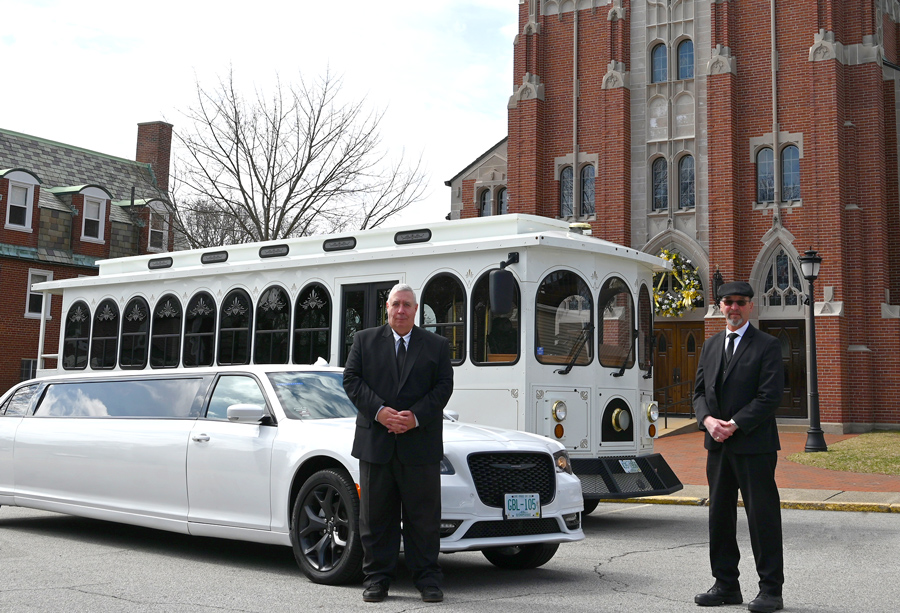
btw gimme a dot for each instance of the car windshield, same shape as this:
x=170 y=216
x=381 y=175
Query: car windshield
x=312 y=395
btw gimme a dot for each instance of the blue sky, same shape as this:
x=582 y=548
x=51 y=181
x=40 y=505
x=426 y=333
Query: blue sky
x=86 y=73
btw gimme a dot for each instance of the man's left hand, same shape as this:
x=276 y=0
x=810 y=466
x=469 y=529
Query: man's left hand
x=400 y=422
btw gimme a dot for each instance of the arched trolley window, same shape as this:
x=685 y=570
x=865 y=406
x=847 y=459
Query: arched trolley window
x=273 y=326
x=165 y=332
x=105 y=335
x=443 y=311
x=77 y=336
x=564 y=320
x=312 y=325
x=135 y=334
x=615 y=314
x=235 y=328
x=199 y=330
x=495 y=338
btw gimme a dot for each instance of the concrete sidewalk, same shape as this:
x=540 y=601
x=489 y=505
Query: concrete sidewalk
x=801 y=487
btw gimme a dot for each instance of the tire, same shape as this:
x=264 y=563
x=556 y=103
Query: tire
x=325 y=529
x=521 y=557
x=590 y=505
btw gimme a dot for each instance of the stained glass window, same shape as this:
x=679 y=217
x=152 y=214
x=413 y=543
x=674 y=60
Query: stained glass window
x=587 y=190
x=566 y=178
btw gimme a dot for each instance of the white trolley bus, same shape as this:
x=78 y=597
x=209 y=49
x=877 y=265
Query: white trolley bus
x=558 y=343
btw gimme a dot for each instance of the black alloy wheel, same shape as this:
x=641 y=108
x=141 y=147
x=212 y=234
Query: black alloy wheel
x=325 y=529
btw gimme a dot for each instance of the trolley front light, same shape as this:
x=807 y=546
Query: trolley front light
x=559 y=410
x=653 y=411
x=621 y=419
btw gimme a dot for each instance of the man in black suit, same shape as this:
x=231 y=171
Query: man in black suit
x=738 y=388
x=400 y=379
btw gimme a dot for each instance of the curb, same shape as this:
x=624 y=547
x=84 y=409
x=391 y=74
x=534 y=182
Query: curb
x=860 y=507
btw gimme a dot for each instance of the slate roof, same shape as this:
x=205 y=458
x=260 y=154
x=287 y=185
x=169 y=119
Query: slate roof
x=61 y=165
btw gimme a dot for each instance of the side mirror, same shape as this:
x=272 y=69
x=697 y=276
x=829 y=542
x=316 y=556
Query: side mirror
x=502 y=286
x=246 y=413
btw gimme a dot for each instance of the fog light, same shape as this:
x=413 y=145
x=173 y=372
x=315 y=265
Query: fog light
x=652 y=430
x=558 y=431
x=573 y=520
x=449 y=526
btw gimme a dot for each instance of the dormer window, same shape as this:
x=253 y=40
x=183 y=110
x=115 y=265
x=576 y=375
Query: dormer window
x=19 y=200
x=158 y=229
x=94 y=215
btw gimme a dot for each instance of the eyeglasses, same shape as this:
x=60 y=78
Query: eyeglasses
x=729 y=302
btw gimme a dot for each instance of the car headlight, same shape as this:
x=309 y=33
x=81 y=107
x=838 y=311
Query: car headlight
x=446 y=466
x=563 y=464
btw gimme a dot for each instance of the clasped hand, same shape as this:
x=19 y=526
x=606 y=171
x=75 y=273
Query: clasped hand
x=718 y=429
x=397 y=422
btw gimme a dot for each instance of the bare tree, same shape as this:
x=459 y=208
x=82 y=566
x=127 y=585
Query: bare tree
x=291 y=162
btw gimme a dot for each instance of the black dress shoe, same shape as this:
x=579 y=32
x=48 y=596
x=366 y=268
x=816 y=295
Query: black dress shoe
x=432 y=593
x=717 y=595
x=765 y=603
x=376 y=592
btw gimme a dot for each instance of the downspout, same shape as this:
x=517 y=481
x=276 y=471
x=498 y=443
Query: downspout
x=576 y=175
x=775 y=127
x=45 y=304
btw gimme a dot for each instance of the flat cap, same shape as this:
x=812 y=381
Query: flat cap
x=735 y=288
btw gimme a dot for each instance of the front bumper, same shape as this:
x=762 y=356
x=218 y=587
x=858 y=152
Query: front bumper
x=611 y=478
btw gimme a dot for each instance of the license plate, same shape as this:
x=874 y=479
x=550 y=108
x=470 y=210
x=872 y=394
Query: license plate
x=630 y=466
x=521 y=506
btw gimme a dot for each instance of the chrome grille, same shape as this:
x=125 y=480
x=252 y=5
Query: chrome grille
x=496 y=474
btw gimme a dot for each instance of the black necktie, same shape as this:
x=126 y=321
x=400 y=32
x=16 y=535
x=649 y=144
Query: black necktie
x=401 y=356
x=729 y=348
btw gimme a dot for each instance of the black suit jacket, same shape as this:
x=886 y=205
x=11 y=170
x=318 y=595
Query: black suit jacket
x=424 y=387
x=749 y=391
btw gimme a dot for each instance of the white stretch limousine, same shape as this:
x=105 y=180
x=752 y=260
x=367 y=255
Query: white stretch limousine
x=262 y=453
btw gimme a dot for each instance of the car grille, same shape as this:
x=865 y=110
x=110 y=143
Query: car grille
x=496 y=474
x=512 y=527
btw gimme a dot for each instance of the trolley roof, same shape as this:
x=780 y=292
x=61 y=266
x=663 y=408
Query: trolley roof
x=444 y=237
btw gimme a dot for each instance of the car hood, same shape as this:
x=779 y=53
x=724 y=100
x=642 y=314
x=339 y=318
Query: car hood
x=461 y=432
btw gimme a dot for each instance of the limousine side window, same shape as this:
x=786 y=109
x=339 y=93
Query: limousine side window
x=18 y=404
x=234 y=389
x=142 y=398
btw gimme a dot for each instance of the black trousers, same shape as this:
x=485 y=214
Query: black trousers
x=754 y=476
x=391 y=492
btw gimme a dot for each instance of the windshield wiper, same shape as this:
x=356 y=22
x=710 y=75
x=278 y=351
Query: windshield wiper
x=583 y=338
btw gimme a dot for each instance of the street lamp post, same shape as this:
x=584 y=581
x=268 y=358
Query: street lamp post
x=815 y=438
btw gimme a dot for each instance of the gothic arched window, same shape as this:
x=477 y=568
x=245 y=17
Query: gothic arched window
x=658 y=69
x=587 y=190
x=686 y=59
x=783 y=286
x=503 y=202
x=686 y=185
x=660 y=184
x=566 y=179
x=790 y=173
x=484 y=204
x=765 y=175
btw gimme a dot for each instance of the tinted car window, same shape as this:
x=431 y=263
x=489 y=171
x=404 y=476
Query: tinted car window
x=312 y=395
x=18 y=404
x=234 y=389
x=165 y=398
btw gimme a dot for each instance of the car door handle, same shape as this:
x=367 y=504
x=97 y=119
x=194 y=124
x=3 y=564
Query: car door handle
x=201 y=438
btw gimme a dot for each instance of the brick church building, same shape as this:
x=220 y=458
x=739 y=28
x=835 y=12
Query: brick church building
x=734 y=134
x=63 y=208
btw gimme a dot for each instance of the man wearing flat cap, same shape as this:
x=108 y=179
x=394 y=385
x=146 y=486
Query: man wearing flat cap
x=738 y=387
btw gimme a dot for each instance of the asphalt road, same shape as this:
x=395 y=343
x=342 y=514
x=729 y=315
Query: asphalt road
x=636 y=557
